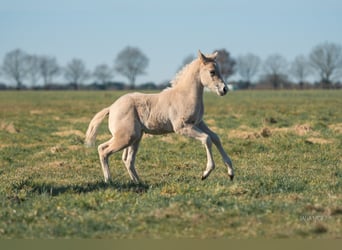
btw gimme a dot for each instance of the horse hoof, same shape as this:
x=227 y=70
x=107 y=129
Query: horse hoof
x=231 y=177
x=204 y=177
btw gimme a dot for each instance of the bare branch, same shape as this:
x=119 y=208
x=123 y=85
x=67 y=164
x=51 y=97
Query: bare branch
x=76 y=72
x=48 y=68
x=15 y=67
x=247 y=66
x=130 y=63
x=103 y=73
x=300 y=69
x=326 y=59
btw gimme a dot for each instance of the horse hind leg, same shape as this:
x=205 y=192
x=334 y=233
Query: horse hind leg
x=108 y=148
x=103 y=155
x=125 y=155
x=128 y=157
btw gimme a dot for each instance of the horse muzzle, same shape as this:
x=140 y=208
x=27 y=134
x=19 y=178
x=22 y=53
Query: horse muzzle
x=221 y=91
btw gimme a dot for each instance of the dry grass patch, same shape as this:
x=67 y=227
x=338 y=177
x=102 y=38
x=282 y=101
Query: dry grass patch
x=244 y=132
x=337 y=128
x=69 y=133
x=314 y=140
x=8 y=127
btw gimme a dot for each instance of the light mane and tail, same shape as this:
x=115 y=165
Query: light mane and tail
x=93 y=126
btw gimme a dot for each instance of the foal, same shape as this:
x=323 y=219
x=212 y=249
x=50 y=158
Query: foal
x=178 y=109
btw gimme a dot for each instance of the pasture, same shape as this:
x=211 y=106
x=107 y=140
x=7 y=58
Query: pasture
x=286 y=147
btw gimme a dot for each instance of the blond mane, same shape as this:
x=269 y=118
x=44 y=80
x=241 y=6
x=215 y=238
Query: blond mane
x=181 y=72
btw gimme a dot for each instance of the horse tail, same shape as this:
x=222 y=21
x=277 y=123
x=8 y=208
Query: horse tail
x=94 y=125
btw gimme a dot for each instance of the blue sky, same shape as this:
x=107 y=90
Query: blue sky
x=166 y=31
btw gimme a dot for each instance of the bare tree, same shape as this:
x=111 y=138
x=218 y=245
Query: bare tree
x=103 y=73
x=15 y=67
x=300 y=69
x=226 y=62
x=326 y=58
x=33 y=68
x=76 y=72
x=247 y=66
x=276 y=67
x=48 y=69
x=131 y=62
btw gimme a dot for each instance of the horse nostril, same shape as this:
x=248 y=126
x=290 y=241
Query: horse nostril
x=225 y=89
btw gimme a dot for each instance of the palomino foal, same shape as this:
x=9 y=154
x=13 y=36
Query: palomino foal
x=177 y=109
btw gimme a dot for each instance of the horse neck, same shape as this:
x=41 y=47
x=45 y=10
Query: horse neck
x=190 y=84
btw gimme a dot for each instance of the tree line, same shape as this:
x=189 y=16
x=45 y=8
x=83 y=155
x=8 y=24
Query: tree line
x=324 y=63
x=19 y=66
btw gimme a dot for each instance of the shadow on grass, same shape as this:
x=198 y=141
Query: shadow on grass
x=55 y=190
x=31 y=187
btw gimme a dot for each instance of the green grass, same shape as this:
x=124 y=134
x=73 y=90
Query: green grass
x=286 y=147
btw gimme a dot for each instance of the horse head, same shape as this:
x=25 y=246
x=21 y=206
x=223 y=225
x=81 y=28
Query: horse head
x=210 y=74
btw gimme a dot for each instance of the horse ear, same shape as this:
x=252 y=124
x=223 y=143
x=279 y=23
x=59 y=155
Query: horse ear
x=215 y=54
x=202 y=57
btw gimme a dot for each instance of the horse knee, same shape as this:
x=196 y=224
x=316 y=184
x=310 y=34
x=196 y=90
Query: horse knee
x=101 y=148
x=110 y=147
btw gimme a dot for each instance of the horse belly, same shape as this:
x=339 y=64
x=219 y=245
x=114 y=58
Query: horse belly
x=153 y=126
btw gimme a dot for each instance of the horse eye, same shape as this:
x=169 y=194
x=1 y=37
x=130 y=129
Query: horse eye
x=212 y=72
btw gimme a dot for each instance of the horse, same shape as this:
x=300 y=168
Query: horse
x=177 y=109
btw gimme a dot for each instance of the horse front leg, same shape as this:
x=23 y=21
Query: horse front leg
x=216 y=140
x=194 y=132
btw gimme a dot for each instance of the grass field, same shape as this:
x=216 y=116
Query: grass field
x=286 y=147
